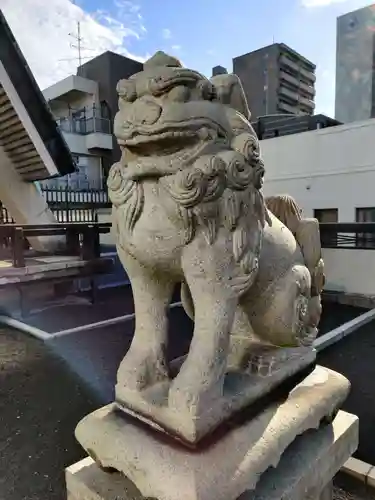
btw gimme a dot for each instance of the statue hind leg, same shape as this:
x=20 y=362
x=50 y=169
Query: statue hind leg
x=145 y=363
x=281 y=315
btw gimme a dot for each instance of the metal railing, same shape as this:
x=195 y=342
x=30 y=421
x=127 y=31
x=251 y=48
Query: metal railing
x=5 y=217
x=84 y=126
x=81 y=239
x=66 y=195
x=348 y=235
x=68 y=205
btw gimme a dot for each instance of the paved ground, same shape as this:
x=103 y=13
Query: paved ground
x=40 y=403
x=45 y=391
x=347 y=488
x=335 y=315
x=354 y=357
x=110 y=302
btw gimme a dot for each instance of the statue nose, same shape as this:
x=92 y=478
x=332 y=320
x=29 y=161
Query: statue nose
x=145 y=112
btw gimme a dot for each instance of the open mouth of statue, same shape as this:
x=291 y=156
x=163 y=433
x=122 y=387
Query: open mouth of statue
x=165 y=143
x=170 y=142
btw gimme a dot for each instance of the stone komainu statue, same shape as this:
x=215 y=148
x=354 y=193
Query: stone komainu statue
x=188 y=208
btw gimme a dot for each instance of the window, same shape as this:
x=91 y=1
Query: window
x=325 y=215
x=365 y=214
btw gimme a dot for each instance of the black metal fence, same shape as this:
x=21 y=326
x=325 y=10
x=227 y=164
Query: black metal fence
x=70 y=205
x=5 y=217
x=348 y=235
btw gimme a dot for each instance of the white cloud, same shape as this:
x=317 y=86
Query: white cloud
x=176 y=47
x=167 y=33
x=42 y=29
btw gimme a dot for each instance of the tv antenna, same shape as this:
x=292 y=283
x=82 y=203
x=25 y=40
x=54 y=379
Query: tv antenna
x=77 y=36
x=79 y=42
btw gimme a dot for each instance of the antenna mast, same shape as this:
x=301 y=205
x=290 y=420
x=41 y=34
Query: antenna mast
x=79 y=42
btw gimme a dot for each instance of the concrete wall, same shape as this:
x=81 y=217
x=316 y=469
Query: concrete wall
x=70 y=84
x=350 y=271
x=327 y=168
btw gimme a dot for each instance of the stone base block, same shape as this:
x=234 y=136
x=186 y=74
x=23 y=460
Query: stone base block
x=268 y=370
x=304 y=472
x=225 y=468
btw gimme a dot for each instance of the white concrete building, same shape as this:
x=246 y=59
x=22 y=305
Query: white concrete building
x=331 y=173
x=82 y=118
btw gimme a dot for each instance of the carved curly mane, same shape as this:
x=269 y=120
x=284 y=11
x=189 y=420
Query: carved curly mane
x=127 y=198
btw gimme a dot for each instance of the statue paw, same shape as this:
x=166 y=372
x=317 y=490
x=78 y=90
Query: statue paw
x=142 y=369
x=194 y=393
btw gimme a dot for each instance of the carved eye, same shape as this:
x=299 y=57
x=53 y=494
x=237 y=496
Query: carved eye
x=156 y=85
x=179 y=94
x=126 y=90
x=206 y=89
x=214 y=93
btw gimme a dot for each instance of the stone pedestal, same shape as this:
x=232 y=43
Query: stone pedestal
x=259 y=458
x=304 y=472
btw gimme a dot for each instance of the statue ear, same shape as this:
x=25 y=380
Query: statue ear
x=230 y=92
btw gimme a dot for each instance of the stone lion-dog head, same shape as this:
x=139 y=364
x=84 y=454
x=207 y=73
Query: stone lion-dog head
x=172 y=125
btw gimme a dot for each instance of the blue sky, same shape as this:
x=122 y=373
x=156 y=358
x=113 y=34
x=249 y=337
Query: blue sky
x=210 y=32
x=202 y=33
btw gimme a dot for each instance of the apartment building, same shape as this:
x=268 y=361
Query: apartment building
x=276 y=80
x=84 y=106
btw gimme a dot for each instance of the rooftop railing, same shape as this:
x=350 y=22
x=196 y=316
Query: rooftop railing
x=349 y=235
x=84 y=126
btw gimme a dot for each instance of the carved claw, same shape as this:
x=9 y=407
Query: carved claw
x=189 y=393
x=140 y=370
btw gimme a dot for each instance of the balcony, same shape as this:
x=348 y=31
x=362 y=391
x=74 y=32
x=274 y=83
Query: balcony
x=309 y=75
x=286 y=77
x=287 y=108
x=309 y=89
x=84 y=126
x=95 y=129
x=307 y=102
x=289 y=94
x=70 y=88
x=289 y=63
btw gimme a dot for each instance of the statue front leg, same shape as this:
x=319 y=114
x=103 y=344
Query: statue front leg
x=200 y=380
x=145 y=363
